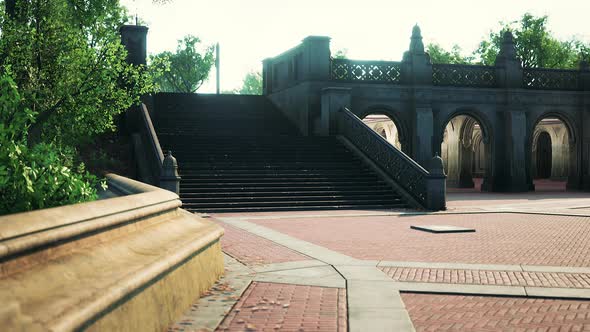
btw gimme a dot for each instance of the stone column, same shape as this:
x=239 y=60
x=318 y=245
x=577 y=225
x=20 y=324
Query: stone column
x=514 y=177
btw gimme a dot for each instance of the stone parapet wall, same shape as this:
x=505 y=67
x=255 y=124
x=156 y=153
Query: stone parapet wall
x=133 y=262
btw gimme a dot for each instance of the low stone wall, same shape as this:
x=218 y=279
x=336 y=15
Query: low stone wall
x=133 y=263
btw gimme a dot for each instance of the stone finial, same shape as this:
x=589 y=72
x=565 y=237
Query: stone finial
x=436 y=165
x=416 y=44
x=508 y=48
x=169 y=178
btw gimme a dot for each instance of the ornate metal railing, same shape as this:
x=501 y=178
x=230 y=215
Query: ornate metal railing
x=365 y=71
x=551 y=79
x=464 y=75
x=408 y=174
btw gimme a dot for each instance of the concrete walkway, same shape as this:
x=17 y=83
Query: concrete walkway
x=332 y=270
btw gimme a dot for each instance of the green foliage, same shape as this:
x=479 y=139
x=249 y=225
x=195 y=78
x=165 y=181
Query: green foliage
x=535 y=45
x=341 y=54
x=69 y=66
x=65 y=78
x=252 y=84
x=37 y=176
x=440 y=55
x=185 y=70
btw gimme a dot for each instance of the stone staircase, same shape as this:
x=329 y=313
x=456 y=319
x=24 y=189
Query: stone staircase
x=238 y=153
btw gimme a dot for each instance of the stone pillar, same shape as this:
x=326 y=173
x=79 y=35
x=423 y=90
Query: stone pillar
x=417 y=74
x=316 y=58
x=333 y=99
x=134 y=38
x=584 y=142
x=510 y=155
x=169 y=178
x=513 y=177
x=416 y=65
x=508 y=65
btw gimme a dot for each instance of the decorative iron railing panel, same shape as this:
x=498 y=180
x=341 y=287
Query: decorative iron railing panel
x=464 y=75
x=406 y=172
x=365 y=71
x=550 y=79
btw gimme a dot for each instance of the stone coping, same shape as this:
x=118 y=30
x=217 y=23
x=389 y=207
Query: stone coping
x=106 y=262
x=23 y=232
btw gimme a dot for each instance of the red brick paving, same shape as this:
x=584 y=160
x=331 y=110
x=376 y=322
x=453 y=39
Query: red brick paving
x=480 y=277
x=499 y=238
x=251 y=249
x=482 y=313
x=281 y=307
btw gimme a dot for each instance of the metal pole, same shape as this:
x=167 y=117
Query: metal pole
x=217 y=66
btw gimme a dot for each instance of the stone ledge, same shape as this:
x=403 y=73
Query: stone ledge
x=126 y=263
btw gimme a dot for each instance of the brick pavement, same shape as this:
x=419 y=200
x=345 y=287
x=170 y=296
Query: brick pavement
x=490 y=313
x=499 y=238
x=254 y=250
x=283 y=307
x=480 y=277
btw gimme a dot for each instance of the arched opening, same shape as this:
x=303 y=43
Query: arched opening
x=550 y=157
x=465 y=153
x=384 y=126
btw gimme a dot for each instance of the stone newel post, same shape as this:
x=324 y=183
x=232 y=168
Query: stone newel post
x=169 y=178
x=436 y=185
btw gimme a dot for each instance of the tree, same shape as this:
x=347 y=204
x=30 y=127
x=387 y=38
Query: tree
x=69 y=66
x=64 y=79
x=252 y=84
x=440 y=55
x=185 y=70
x=535 y=45
x=341 y=54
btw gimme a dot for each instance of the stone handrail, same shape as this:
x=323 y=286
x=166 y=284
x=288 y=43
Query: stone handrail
x=551 y=79
x=427 y=189
x=106 y=264
x=149 y=147
x=365 y=71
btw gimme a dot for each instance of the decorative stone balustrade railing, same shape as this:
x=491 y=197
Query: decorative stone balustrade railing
x=426 y=188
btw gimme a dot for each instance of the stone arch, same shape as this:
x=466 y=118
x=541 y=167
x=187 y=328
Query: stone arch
x=564 y=147
x=395 y=117
x=471 y=139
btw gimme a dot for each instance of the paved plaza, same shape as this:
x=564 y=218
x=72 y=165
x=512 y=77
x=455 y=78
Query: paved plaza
x=525 y=268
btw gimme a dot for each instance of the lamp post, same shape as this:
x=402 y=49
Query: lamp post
x=217 y=67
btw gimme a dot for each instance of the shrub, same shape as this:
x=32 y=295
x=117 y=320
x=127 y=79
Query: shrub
x=38 y=176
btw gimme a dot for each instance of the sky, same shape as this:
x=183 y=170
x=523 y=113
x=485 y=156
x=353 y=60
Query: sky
x=249 y=31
